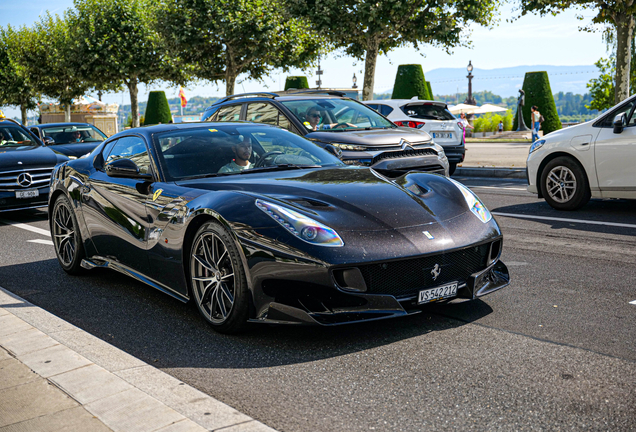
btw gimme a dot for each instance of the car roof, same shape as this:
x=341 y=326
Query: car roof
x=400 y=102
x=41 y=125
x=167 y=127
x=282 y=96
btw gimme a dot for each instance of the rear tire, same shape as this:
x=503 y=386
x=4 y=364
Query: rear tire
x=217 y=279
x=67 y=239
x=451 y=168
x=564 y=185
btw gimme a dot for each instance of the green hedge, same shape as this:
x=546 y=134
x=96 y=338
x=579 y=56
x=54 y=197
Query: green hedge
x=410 y=82
x=296 y=82
x=538 y=92
x=430 y=90
x=490 y=122
x=158 y=109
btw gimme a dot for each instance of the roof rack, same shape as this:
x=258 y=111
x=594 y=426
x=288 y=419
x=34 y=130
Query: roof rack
x=241 y=95
x=315 y=91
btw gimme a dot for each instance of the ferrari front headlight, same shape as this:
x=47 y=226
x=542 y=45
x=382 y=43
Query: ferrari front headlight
x=301 y=226
x=474 y=203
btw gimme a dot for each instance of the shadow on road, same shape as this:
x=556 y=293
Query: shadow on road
x=166 y=333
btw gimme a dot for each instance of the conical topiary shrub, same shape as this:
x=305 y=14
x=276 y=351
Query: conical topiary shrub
x=158 y=109
x=538 y=92
x=430 y=90
x=296 y=82
x=409 y=82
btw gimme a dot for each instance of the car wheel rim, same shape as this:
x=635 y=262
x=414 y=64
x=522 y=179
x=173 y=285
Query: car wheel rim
x=561 y=184
x=212 y=276
x=64 y=234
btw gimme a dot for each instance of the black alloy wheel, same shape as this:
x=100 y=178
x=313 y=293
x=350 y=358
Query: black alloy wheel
x=564 y=184
x=218 y=280
x=66 y=236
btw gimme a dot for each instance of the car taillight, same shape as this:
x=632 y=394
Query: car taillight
x=411 y=124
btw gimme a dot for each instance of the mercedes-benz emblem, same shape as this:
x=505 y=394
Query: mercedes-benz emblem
x=25 y=179
x=404 y=144
x=436 y=271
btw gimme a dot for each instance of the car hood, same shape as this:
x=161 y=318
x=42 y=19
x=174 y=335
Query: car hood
x=27 y=156
x=74 y=149
x=379 y=137
x=350 y=199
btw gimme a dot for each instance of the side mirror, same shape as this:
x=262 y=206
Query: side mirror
x=48 y=140
x=334 y=150
x=125 y=168
x=620 y=121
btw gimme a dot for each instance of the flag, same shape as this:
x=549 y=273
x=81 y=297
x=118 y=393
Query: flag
x=184 y=101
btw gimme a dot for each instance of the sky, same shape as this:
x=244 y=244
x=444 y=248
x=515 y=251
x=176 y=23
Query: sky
x=530 y=40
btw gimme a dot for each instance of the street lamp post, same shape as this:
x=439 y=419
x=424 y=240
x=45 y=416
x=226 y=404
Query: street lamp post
x=319 y=73
x=355 y=81
x=470 y=100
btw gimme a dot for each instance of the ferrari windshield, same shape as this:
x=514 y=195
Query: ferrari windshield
x=223 y=149
x=15 y=136
x=336 y=115
x=73 y=134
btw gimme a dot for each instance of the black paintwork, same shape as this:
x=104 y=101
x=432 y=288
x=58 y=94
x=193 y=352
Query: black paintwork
x=35 y=160
x=67 y=148
x=148 y=237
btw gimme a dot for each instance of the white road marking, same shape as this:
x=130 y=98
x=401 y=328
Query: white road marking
x=40 y=231
x=498 y=187
x=46 y=242
x=633 y=302
x=582 y=221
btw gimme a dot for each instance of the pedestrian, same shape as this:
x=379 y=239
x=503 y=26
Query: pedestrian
x=500 y=126
x=464 y=121
x=535 y=119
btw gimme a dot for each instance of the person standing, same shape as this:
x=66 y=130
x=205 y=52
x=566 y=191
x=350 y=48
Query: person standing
x=501 y=126
x=464 y=121
x=535 y=119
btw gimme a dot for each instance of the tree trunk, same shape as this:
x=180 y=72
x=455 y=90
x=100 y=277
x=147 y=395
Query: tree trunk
x=230 y=80
x=371 y=58
x=624 y=35
x=23 y=114
x=134 y=103
x=67 y=113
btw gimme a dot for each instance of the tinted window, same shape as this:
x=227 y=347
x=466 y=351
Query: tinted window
x=73 y=134
x=229 y=113
x=374 y=106
x=385 y=110
x=133 y=148
x=427 y=111
x=15 y=136
x=626 y=109
x=264 y=112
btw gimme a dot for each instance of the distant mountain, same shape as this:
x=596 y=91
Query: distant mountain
x=506 y=82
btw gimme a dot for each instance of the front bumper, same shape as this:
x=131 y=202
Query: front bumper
x=9 y=202
x=406 y=160
x=455 y=154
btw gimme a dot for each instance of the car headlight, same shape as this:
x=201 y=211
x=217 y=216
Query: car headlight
x=536 y=145
x=343 y=146
x=301 y=226
x=474 y=204
x=439 y=149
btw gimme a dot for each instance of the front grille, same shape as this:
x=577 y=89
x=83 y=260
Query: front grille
x=40 y=177
x=404 y=153
x=406 y=277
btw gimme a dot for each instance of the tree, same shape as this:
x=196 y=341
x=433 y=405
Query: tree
x=158 y=109
x=221 y=39
x=409 y=82
x=296 y=82
x=619 y=14
x=367 y=28
x=14 y=90
x=118 y=45
x=536 y=86
x=48 y=62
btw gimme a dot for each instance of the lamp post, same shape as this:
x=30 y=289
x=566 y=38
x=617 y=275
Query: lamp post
x=470 y=100
x=319 y=73
x=355 y=81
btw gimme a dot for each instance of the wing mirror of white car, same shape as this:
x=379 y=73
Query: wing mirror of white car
x=620 y=121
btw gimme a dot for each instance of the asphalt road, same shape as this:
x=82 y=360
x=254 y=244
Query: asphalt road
x=555 y=350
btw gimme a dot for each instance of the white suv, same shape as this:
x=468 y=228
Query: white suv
x=591 y=160
x=430 y=116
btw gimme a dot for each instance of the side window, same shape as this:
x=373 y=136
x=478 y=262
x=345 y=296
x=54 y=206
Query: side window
x=266 y=113
x=133 y=148
x=284 y=122
x=627 y=108
x=374 y=106
x=229 y=113
x=385 y=110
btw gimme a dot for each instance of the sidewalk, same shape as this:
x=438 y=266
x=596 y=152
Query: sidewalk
x=494 y=159
x=57 y=377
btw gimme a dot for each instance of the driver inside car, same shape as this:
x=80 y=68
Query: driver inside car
x=242 y=153
x=315 y=121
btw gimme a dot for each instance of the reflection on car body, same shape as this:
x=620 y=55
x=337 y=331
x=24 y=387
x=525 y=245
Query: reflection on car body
x=298 y=237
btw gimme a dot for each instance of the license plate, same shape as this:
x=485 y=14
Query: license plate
x=442 y=135
x=438 y=293
x=27 y=193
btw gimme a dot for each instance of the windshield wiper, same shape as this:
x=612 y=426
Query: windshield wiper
x=278 y=167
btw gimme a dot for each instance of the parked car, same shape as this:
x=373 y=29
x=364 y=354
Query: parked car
x=294 y=237
x=25 y=167
x=431 y=116
x=72 y=139
x=590 y=160
x=363 y=137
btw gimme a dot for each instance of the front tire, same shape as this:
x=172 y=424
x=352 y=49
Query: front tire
x=451 y=168
x=67 y=239
x=564 y=184
x=217 y=279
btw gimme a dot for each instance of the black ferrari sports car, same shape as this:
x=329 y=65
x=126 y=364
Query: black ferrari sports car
x=256 y=224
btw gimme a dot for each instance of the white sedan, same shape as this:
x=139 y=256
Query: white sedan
x=596 y=159
x=430 y=116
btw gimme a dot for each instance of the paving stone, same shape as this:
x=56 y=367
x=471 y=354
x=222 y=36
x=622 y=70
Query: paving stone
x=34 y=399
x=54 y=360
x=4 y=354
x=70 y=420
x=26 y=341
x=90 y=383
x=14 y=373
x=12 y=324
x=182 y=426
